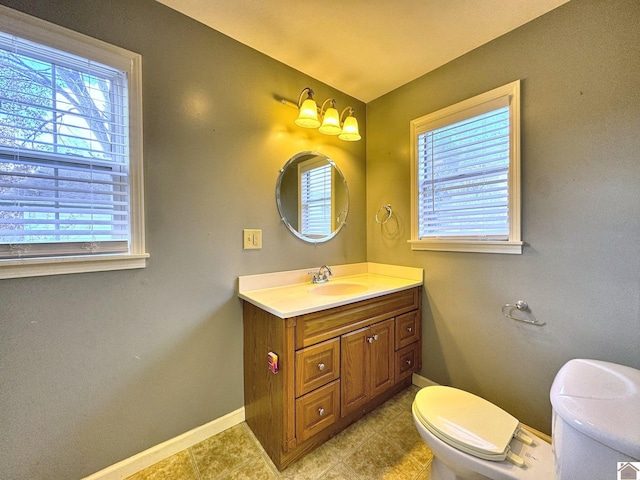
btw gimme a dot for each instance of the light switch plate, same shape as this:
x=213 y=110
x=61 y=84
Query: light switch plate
x=252 y=238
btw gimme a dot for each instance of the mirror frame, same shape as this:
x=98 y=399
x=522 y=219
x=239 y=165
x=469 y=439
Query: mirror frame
x=341 y=222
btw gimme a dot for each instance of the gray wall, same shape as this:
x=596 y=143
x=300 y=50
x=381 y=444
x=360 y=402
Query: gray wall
x=580 y=271
x=97 y=367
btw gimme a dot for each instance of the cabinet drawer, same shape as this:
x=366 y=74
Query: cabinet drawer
x=408 y=361
x=317 y=365
x=317 y=410
x=316 y=327
x=407 y=329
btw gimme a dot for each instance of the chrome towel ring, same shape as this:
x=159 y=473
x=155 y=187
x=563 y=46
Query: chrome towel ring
x=385 y=216
x=522 y=306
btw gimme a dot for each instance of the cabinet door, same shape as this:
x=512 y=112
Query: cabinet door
x=382 y=356
x=355 y=360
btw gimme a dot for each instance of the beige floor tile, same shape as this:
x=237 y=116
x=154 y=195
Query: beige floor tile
x=177 y=467
x=381 y=416
x=251 y=470
x=313 y=465
x=350 y=439
x=382 y=460
x=402 y=433
x=225 y=452
x=340 y=472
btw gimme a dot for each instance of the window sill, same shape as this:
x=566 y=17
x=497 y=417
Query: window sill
x=38 y=267
x=513 y=248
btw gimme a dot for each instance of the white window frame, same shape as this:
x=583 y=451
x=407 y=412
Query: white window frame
x=45 y=33
x=452 y=114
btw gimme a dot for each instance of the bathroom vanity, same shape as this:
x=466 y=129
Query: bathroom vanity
x=343 y=348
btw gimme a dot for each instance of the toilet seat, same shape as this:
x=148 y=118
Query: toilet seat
x=469 y=423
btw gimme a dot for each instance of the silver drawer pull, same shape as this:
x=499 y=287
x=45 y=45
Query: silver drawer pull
x=409 y=329
x=321 y=366
x=370 y=339
x=375 y=337
x=409 y=362
x=321 y=411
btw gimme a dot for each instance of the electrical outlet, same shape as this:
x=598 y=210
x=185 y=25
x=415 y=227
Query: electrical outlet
x=252 y=238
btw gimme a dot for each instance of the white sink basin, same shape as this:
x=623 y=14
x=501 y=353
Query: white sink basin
x=339 y=289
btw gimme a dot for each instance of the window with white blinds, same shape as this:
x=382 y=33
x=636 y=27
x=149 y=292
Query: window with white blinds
x=466 y=175
x=65 y=146
x=315 y=198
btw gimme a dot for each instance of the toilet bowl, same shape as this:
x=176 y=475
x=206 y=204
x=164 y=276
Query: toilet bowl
x=473 y=439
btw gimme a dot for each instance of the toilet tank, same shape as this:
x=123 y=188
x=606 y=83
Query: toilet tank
x=596 y=419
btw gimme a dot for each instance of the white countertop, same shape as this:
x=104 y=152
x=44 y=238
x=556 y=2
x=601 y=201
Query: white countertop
x=288 y=294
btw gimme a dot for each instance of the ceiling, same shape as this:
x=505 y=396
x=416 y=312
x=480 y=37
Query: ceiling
x=364 y=48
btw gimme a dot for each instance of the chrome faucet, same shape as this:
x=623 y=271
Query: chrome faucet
x=323 y=274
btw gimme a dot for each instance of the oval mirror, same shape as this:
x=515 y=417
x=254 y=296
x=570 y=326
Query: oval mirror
x=312 y=197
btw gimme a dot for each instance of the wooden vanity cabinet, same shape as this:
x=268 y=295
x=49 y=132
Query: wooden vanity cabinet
x=335 y=366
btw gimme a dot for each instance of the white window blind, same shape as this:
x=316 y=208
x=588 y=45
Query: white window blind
x=463 y=178
x=64 y=153
x=315 y=198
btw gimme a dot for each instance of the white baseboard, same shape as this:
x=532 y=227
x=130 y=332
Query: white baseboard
x=420 y=381
x=153 y=455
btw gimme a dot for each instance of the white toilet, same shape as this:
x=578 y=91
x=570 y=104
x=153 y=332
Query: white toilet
x=596 y=425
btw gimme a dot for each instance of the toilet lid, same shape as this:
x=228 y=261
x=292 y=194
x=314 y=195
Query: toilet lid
x=466 y=421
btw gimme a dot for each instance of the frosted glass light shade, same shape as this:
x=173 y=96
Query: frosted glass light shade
x=350 y=132
x=330 y=122
x=308 y=116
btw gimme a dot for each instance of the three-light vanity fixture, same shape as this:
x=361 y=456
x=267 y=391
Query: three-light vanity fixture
x=326 y=121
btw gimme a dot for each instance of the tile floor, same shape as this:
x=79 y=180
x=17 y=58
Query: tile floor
x=382 y=445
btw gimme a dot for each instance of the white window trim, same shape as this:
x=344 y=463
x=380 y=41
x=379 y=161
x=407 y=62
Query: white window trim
x=514 y=244
x=40 y=31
